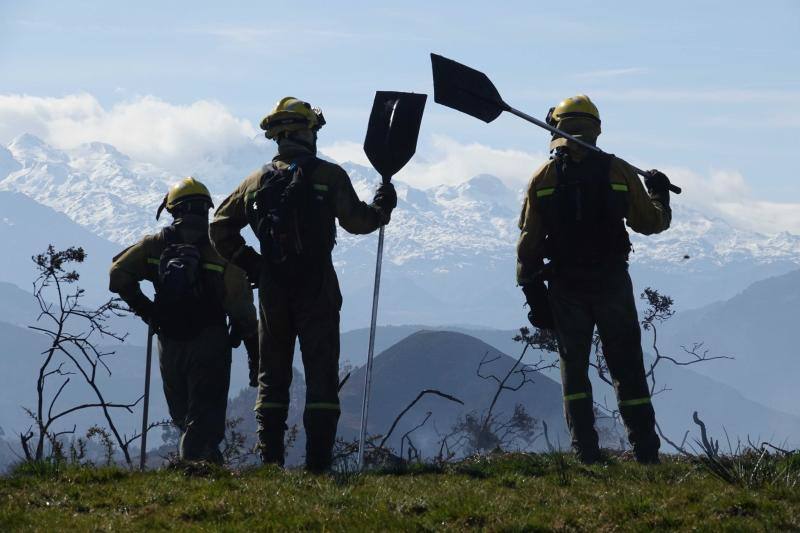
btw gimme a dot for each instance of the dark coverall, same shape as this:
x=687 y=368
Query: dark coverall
x=195 y=371
x=589 y=286
x=308 y=310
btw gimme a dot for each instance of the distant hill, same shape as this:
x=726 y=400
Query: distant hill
x=27 y=228
x=446 y=361
x=441 y=360
x=355 y=343
x=699 y=387
x=20 y=351
x=17 y=306
x=759 y=327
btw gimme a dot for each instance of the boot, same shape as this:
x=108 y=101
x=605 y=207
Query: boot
x=271 y=448
x=588 y=455
x=319 y=462
x=646 y=456
x=320 y=439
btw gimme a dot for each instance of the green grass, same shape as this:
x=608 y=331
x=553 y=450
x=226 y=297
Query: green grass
x=512 y=492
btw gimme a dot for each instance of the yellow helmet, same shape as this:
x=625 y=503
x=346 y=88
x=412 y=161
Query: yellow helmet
x=579 y=106
x=291 y=114
x=183 y=191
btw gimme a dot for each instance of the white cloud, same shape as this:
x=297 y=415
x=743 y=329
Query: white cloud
x=443 y=160
x=766 y=217
x=727 y=193
x=205 y=135
x=344 y=151
x=174 y=137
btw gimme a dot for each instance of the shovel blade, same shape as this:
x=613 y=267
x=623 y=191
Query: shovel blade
x=465 y=89
x=393 y=130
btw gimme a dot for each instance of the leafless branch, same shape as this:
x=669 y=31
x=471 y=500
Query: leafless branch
x=60 y=310
x=409 y=406
x=405 y=436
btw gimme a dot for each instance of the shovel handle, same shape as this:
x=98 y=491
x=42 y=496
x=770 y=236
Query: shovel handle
x=362 y=440
x=553 y=129
x=146 y=397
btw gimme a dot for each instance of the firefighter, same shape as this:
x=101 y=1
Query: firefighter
x=292 y=205
x=195 y=289
x=574 y=216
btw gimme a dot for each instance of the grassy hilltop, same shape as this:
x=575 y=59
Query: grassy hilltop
x=503 y=492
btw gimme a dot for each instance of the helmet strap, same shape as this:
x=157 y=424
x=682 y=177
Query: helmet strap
x=162 y=206
x=550 y=120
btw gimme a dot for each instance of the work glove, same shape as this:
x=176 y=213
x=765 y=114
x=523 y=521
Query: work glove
x=250 y=261
x=657 y=184
x=385 y=200
x=539 y=315
x=251 y=345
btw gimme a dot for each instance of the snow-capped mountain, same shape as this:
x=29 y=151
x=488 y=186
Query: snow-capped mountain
x=94 y=184
x=449 y=250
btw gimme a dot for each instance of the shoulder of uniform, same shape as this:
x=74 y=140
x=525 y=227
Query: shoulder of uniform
x=543 y=177
x=152 y=243
x=330 y=168
x=620 y=171
x=329 y=176
x=253 y=180
x=247 y=189
x=542 y=170
x=620 y=165
x=147 y=245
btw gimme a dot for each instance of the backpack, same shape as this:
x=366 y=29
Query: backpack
x=185 y=304
x=288 y=219
x=584 y=216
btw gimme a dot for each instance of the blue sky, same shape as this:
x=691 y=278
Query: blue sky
x=704 y=88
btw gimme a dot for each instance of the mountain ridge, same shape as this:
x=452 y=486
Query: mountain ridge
x=441 y=240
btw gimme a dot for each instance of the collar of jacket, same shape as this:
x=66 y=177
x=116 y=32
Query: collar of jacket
x=289 y=149
x=192 y=228
x=576 y=151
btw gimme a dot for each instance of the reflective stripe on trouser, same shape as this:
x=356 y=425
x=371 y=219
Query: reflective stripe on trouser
x=603 y=298
x=196 y=378
x=312 y=315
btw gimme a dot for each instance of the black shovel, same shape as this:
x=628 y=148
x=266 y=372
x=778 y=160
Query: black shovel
x=467 y=90
x=391 y=141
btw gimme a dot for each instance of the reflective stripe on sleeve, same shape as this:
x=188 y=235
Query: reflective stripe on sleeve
x=545 y=192
x=153 y=261
x=577 y=396
x=635 y=401
x=214 y=267
x=320 y=187
x=619 y=187
x=271 y=405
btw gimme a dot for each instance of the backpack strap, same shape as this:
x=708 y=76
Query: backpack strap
x=308 y=164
